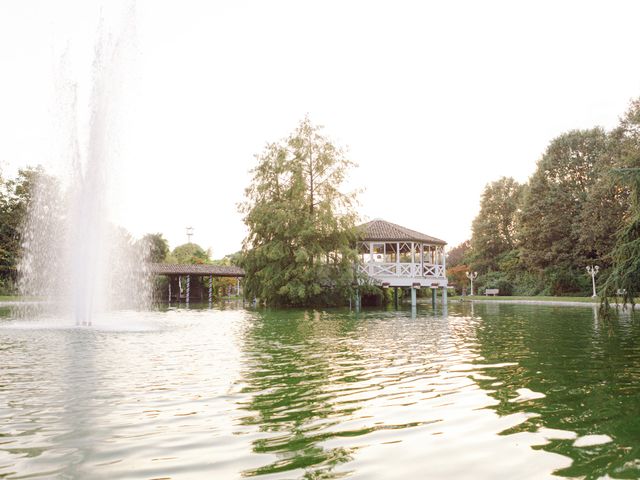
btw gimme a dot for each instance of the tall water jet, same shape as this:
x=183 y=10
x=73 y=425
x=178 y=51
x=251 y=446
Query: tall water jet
x=73 y=258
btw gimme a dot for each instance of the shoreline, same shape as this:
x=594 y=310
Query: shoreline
x=560 y=303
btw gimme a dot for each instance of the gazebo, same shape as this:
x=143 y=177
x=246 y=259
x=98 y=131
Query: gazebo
x=395 y=256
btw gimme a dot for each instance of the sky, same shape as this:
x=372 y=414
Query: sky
x=432 y=100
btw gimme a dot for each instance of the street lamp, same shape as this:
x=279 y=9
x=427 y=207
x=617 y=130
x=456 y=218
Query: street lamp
x=593 y=271
x=472 y=276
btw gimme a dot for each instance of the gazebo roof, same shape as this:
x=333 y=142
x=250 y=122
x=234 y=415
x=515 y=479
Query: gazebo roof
x=381 y=230
x=200 y=269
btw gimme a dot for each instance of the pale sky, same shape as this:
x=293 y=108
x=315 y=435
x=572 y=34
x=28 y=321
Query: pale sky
x=432 y=99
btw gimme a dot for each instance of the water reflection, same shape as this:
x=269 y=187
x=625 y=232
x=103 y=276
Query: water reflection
x=144 y=396
x=289 y=374
x=47 y=407
x=588 y=372
x=381 y=395
x=499 y=391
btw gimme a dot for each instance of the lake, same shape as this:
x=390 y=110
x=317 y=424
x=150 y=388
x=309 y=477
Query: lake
x=476 y=391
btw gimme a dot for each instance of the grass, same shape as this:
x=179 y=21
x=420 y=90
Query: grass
x=10 y=298
x=531 y=299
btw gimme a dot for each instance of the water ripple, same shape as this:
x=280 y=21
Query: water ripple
x=491 y=393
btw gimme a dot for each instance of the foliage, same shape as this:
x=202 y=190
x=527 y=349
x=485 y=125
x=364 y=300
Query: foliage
x=549 y=224
x=497 y=280
x=15 y=199
x=299 y=250
x=528 y=283
x=494 y=227
x=230 y=259
x=156 y=247
x=625 y=274
x=191 y=253
x=579 y=208
x=561 y=282
x=457 y=254
x=457 y=276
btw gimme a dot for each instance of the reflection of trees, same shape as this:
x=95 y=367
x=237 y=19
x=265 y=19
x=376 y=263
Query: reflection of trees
x=317 y=381
x=589 y=373
x=289 y=371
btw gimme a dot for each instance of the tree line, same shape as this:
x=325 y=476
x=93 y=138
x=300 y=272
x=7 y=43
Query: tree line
x=580 y=207
x=15 y=199
x=300 y=249
x=577 y=209
x=16 y=195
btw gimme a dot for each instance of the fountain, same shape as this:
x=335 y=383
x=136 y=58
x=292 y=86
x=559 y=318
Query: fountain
x=74 y=259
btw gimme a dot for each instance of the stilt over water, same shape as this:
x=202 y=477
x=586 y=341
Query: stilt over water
x=210 y=290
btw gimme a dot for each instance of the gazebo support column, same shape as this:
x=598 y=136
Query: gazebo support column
x=444 y=295
x=188 y=289
x=414 y=288
x=210 y=290
x=169 y=276
x=433 y=296
x=179 y=288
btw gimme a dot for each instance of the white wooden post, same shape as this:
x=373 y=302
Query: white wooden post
x=412 y=258
x=444 y=263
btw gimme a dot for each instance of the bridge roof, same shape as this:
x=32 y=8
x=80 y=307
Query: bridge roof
x=200 y=269
x=381 y=230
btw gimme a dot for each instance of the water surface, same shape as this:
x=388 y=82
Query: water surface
x=483 y=391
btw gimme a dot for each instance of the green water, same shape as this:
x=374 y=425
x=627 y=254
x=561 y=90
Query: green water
x=477 y=391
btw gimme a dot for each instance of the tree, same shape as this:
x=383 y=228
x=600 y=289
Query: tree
x=625 y=275
x=191 y=253
x=602 y=213
x=457 y=254
x=550 y=221
x=300 y=246
x=457 y=276
x=16 y=196
x=156 y=247
x=494 y=227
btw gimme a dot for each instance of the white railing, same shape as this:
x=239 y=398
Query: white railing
x=375 y=269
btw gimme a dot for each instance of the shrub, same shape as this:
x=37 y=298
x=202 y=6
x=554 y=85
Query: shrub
x=497 y=280
x=564 y=281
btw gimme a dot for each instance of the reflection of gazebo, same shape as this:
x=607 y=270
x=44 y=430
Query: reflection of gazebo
x=396 y=256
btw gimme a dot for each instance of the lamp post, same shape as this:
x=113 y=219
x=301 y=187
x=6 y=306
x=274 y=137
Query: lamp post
x=593 y=271
x=472 y=276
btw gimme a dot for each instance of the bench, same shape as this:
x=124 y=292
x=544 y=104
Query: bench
x=492 y=291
